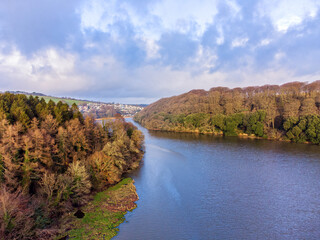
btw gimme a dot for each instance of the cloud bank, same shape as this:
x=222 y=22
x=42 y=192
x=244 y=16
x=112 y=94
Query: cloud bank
x=138 y=51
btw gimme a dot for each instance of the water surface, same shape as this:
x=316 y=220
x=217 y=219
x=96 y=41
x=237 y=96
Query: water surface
x=206 y=187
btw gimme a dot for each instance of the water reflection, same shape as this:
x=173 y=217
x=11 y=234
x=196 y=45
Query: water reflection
x=206 y=187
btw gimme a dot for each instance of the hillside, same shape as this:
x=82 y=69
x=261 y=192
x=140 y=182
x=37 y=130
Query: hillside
x=69 y=101
x=290 y=112
x=95 y=109
x=52 y=161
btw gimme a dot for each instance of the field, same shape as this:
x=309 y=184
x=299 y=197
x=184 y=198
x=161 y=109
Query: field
x=64 y=100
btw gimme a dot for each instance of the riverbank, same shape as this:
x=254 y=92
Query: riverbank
x=226 y=187
x=100 y=218
x=239 y=135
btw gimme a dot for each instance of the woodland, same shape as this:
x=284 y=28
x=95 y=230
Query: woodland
x=287 y=112
x=52 y=160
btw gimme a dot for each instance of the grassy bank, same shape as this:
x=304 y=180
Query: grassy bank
x=103 y=214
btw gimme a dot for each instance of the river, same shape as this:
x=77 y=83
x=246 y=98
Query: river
x=205 y=187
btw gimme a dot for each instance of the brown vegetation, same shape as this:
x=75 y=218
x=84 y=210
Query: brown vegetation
x=267 y=111
x=51 y=159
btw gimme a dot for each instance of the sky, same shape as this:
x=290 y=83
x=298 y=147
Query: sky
x=138 y=51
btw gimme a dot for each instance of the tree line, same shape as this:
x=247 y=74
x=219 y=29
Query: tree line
x=290 y=112
x=52 y=158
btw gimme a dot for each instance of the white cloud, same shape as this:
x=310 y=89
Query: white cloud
x=99 y=15
x=48 y=71
x=152 y=49
x=99 y=69
x=220 y=38
x=234 y=7
x=273 y=75
x=239 y=42
x=179 y=14
x=285 y=14
x=265 y=42
x=103 y=77
x=190 y=17
x=284 y=23
x=279 y=55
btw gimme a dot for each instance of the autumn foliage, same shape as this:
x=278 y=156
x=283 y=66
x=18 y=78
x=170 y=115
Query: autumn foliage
x=51 y=159
x=290 y=112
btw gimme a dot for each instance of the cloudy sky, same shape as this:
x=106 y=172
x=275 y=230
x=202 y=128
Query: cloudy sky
x=137 y=51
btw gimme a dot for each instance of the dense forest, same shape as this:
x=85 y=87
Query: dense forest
x=287 y=112
x=52 y=159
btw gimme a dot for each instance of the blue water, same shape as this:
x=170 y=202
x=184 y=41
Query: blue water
x=205 y=187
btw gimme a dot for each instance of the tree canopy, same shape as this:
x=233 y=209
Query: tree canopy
x=52 y=158
x=264 y=111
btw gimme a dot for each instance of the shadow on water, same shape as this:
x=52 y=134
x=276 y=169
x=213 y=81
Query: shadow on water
x=206 y=187
x=258 y=144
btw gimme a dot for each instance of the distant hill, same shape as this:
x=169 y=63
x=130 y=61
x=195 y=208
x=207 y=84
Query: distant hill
x=141 y=105
x=94 y=108
x=290 y=111
x=26 y=93
x=67 y=100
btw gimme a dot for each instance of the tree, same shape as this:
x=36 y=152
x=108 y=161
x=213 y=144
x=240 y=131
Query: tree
x=48 y=153
x=308 y=107
x=291 y=107
x=76 y=113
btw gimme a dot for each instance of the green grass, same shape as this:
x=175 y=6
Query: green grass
x=97 y=225
x=120 y=184
x=64 y=100
x=99 y=222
